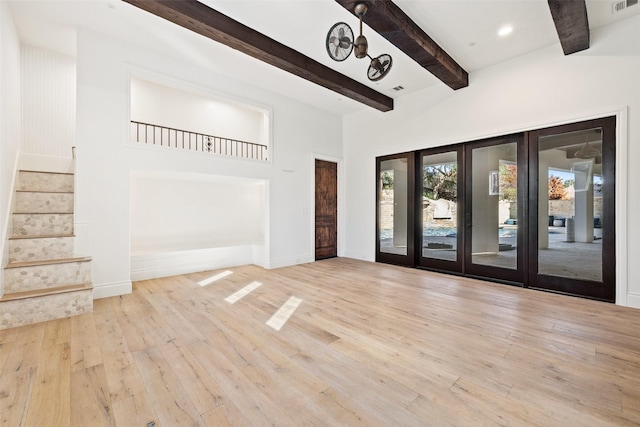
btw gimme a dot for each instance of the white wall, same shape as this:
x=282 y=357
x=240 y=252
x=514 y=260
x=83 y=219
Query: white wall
x=105 y=158
x=10 y=118
x=536 y=90
x=184 y=211
x=49 y=103
x=160 y=104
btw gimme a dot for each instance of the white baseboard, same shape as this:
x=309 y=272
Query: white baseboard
x=111 y=289
x=289 y=261
x=165 y=264
x=633 y=300
x=46 y=163
x=363 y=256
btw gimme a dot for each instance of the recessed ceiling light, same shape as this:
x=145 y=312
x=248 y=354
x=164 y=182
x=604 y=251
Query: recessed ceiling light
x=505 y=30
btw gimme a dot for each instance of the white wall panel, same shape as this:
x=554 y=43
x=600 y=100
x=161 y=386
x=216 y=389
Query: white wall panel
x=10 y=135
x=49 y=103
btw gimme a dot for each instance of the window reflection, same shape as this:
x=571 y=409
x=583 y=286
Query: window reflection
x=393 y=206
x=570 y=196
x=494 y=228
x=439 y=206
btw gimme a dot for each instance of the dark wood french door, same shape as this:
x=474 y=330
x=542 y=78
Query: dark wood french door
x=495 y=209
x=440 y=209
x=534 y=209
x=326 y=211
x=395 y=186
x=572 y=219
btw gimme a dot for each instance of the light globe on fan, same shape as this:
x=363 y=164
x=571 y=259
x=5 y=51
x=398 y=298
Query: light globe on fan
x=340 y=44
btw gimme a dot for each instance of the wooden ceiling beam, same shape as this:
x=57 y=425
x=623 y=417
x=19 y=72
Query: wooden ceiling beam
x=388 y=20
x=210 y=23
x=572 y=24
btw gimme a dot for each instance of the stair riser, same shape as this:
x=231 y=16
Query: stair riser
x=42 y=224
x=44 y=203
x=21 y=250
x=43 y=308
x=43 y=181
x=46 y=276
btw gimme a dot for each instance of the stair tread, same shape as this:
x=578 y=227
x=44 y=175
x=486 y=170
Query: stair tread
x=46 y=262
x=12 y=296
x=41 y=236
x=43 y=213
x=45 y=191
x=57 y=173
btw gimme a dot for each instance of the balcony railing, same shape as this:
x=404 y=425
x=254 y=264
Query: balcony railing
x=163 y=136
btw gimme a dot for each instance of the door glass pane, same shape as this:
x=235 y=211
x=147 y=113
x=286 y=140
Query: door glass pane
x=494 y=226
x=393 y=206
x=570 y=196
x=439 y=205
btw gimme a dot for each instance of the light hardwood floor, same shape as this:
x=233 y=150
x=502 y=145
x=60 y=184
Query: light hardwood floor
x=370 y=344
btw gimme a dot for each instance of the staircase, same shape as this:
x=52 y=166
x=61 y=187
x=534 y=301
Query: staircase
x=43 y=279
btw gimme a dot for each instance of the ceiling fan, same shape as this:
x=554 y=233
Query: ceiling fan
x=340 y=43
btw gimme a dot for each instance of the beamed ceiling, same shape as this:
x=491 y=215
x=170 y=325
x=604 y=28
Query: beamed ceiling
x=435 y=42
x=383 y=16
x=210 y=23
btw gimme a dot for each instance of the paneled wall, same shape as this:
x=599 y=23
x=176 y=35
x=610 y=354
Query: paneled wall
x=48 y=103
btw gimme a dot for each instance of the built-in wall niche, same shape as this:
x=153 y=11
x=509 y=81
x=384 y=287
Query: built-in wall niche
x=185 y=118
x=187 y=222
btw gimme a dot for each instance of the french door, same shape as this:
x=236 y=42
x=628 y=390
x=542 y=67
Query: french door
x=496 y=194
x=439 y=216
x=395 y=241
x=535 y=209
x=572 y=219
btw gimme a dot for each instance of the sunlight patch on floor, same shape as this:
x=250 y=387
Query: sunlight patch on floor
x=233 y=298
x=214 y=278
x=283 y=314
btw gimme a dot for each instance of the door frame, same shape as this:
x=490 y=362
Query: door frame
x=312 y=210
x=624 y=296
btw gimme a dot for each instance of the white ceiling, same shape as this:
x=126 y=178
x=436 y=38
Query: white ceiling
x=466 y=29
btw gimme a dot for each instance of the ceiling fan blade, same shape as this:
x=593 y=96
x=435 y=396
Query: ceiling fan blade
x=341 y=32
x=337 y=51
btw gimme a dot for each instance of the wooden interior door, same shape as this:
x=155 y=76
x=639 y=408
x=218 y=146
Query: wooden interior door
x=326 y=209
